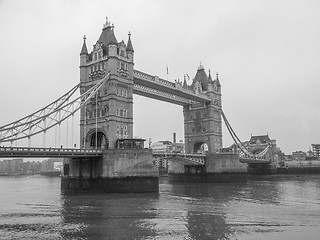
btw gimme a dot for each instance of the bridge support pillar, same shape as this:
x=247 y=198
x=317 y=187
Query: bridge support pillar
x=118 y=170
x=217 y=168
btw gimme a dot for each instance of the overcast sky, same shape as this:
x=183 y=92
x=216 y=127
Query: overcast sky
x=267 y=54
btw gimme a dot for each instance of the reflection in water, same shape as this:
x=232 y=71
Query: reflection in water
x=266 y=207
x=107 y=216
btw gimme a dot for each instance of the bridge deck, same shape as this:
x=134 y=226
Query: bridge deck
x=254 y=160
x=26 y=152
x=190 y=159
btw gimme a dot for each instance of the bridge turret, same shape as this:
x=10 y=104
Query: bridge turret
x=83 y=60
x=210 y=83
x=130 y=56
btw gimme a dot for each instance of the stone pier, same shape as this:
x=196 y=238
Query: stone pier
x=117 y=170
x=224 y=167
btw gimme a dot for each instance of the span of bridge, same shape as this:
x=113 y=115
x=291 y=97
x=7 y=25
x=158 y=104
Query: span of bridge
x=32 y=152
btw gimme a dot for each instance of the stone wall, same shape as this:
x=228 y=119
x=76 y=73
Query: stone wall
x=225 y=163
x=127 y=162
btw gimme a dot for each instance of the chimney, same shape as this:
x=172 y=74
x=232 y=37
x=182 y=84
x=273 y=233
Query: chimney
x=174 y=137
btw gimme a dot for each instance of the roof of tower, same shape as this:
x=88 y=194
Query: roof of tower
x=107 y=36
x=84 y=50
x=202 y=77
x=129 y=44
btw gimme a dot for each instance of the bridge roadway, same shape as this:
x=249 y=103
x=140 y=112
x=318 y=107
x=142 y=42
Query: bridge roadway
x=190 y=159
x=30 y=152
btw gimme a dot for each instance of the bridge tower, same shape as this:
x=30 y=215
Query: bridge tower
x=202 y=121
x=109 y=115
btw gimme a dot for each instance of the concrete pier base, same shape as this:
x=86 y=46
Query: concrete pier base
x=116 y=171
x=220 y=168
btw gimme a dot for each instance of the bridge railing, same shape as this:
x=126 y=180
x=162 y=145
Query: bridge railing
x=32 y=149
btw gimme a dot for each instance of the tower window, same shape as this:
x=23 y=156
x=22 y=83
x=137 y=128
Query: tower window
x=125 y=131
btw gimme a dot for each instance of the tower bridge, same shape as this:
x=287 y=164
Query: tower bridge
x=108 y=81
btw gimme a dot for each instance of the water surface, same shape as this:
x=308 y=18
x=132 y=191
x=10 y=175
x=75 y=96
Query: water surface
x=265 y=207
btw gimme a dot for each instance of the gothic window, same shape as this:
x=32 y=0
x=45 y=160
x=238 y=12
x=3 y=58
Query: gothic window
x=118 y=130
x=122 y=53
x=102 y=66
x=125 y=131
x=91 y=68
x=121 y=92
x=122 y=66
x=95 y=67
x=99 y=55
x=121 y=112
x=117 y=92
x=117 y=112
x=95 y=56
x=125 y=93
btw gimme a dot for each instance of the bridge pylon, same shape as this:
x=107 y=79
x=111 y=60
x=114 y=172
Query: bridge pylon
x=202 y=121
x=109 y=115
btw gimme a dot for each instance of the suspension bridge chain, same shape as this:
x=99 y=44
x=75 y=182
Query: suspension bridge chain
x=49 y=116
x=244 y=151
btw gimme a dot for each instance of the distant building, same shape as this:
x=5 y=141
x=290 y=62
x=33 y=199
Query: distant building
x=316 y=150
x=299 y=156
x=167 y=147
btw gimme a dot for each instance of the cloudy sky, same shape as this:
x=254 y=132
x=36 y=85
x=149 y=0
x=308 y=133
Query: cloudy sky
x=267 y=54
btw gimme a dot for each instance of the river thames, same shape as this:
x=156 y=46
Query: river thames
x=265 y=207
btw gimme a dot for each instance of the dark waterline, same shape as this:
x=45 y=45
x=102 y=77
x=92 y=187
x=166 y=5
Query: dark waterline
x=265 y=207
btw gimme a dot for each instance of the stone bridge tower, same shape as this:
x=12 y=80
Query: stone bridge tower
x=109 y=115
x=202 y=121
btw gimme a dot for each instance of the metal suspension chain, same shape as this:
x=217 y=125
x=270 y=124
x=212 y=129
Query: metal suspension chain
x=53 y=114
x=238 y=142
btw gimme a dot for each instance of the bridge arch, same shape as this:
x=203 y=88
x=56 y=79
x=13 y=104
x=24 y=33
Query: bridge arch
x=97 y=139
x=200 y=147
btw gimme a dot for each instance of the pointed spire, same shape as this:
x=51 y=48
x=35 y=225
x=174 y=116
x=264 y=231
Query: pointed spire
x=185 y=85
x=217 y=79
x=129 y=44
x=107 y=24
x=107 y=36
x=84 y=50
x=209 y=77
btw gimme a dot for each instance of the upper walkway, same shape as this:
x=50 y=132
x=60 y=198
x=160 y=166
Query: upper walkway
x=154 y=87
